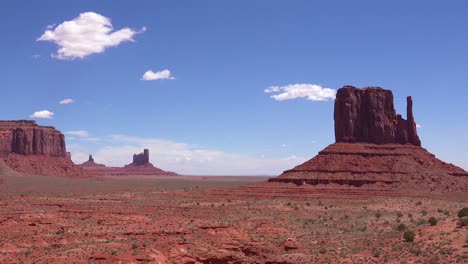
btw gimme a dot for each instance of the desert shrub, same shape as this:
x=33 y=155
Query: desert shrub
x=421 y=221
x=134 y=246
x=418 y=203
x=401 y=227
x=424 y=212
x=410 y=215
x=463 y=212
x=409 y=236
x=322 y=250
x=415 y=250
x=376 y=252
x=432 y=220
x=399 y=214
x=463 y=221
x=378 y=214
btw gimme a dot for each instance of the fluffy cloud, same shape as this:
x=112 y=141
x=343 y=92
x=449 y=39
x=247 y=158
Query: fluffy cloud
x=78 y=133
x=87 y=34
x=160 y=75
x=183 y=158
x=418 y=126
x=46 y=114
x=312 y=92
x=66 y=101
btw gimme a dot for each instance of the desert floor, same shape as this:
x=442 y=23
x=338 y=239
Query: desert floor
x=221 y=220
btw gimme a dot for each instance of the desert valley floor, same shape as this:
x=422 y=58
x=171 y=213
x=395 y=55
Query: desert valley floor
x=182 y=219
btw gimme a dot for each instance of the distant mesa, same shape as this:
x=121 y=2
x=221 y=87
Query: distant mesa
x=139 y=166
x=26 y=147
x=374 y=145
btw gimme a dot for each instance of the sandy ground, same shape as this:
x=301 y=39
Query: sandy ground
x=221 y=220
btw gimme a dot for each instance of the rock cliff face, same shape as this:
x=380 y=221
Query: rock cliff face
x=26 y=147
x=368 y=115
x=375 y=146
x=27 y=138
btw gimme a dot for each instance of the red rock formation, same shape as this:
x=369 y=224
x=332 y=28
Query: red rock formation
x=91 y=163
x=368 y=115
x=141 y=159
x=139 y=166
x=27 y=138
x=26 y=147
x=376 y=146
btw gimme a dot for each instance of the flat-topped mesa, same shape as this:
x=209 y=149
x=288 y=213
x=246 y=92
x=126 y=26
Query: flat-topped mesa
x=26 y=137
x=141 y=159
x=368 y=115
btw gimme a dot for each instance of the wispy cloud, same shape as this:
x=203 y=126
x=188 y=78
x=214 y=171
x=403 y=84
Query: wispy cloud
x=418 y=126
x=78 y=133
x=87 y=34
x=66 y=101
x=312 y=92
x=160 y=75
x=45 y=114
x=184 y=158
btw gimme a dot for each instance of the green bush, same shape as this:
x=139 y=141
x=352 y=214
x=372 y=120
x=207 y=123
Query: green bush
x=432 y=220
x=409 y=236
x=463 y=212
x=401 y=227
x=463 y=221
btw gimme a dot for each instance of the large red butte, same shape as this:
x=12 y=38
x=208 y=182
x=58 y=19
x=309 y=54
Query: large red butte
x=375 y=145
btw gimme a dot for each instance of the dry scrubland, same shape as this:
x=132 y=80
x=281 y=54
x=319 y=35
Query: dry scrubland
x=220 y=220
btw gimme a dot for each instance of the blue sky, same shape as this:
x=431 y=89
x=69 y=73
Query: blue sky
x=211 y=114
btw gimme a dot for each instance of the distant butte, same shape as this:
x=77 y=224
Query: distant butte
x=139 y=166
x=376 y=145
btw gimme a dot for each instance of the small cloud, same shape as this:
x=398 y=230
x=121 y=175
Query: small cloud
x=66 y=101
x=87 y=34
x=312 y=92
x=418 y=126
x=36 y=56
x=284 y=145
x=160 y=75
x=46 y=114
x=78 y=133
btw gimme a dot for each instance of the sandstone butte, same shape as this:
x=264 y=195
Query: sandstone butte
x=26 y=147
x=140 y=166
x=374 y=145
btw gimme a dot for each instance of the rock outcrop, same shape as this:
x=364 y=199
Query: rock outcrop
x=91 y=163
x=26 y=147
x=141 y=159
x=368 y=115
x=25 y=137
x=374 y=145
x=139 y=167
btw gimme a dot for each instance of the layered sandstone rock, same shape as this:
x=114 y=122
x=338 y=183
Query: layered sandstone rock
x=368 y=115
x=25 y=137
x=374 y=145
x=26 y=147
x=91 y=163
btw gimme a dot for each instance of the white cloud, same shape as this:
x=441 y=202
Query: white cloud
x=160 y=75
x=418 y=126
x=184 y=158
x=312 y=92
x=87 y=34
x=66 y=101
x=78 y=133
x=46 y=114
